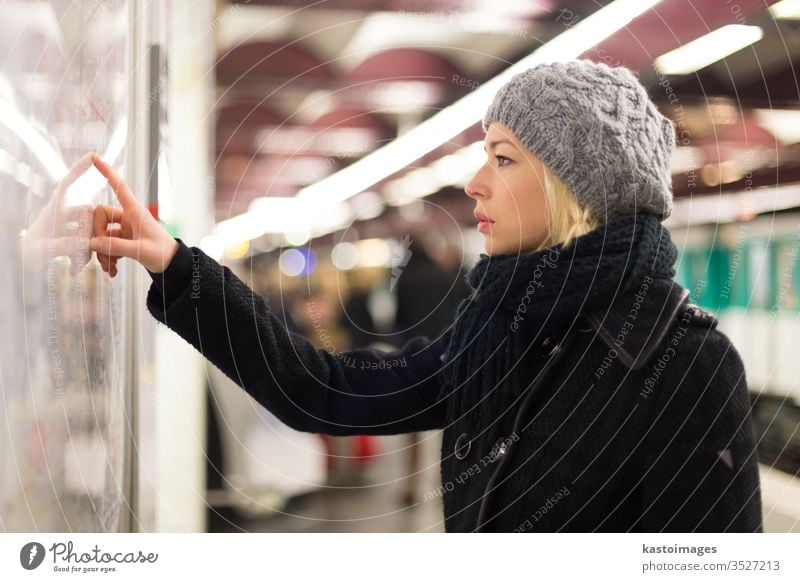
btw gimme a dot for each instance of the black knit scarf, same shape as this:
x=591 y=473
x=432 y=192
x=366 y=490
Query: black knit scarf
x=522 y=298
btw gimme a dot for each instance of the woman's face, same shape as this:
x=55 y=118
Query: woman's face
x=509 y=191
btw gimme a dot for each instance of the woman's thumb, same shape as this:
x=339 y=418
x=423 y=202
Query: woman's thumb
x=115 y=247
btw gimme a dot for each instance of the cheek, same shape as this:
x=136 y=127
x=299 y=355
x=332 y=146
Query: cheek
x=529 y=224
x=530 y=209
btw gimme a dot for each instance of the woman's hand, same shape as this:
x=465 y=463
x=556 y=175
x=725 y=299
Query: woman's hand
x=130 y=231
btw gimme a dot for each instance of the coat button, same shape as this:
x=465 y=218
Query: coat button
x=550 y=346
x=443 y=357
x=502 y=450
x=463 y=445
x=499 y=449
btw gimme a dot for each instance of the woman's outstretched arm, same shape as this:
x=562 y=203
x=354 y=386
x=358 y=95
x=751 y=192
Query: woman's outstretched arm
x=353 y=392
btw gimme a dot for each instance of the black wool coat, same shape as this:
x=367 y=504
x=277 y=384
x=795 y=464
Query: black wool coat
x=651 y=434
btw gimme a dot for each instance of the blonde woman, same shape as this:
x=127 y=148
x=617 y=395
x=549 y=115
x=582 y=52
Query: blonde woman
x=577 y=388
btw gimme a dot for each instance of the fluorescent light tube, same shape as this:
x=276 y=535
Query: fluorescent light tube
x=707 y=49
x=786 y=9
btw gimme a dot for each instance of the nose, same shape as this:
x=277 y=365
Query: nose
x=476 y=187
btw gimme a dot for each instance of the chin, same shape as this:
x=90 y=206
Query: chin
x=491 y=248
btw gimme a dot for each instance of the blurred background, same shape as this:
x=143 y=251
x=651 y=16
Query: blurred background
x=320 y=149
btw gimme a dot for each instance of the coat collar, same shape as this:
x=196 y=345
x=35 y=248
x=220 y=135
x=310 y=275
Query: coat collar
x=637 y=323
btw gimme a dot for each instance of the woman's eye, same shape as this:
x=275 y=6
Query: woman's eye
x=500 y=160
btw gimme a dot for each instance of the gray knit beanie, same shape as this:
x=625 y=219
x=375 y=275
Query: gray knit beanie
x=596 y=128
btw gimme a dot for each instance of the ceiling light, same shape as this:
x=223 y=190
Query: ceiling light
x=784 y=124
x=297 y=219
x=292 y=262
x=414 y=211
x=367 y=205
x=297 y=238
x=273 y=214
x=708 y=49
x=396 y=193
x=373 y=252
x=786 y=10
x=344 y=256
x=238 y=251
x=686 y=159
x=449 y=169
x=213 y=247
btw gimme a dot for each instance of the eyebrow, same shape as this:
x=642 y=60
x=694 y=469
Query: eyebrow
x=493 y=144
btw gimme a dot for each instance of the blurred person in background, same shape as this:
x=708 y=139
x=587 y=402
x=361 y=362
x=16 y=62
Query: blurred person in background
x=577 y=388
x=427 y=313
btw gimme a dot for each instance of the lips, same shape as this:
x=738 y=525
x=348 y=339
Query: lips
x=481 y=217
x=484 y=222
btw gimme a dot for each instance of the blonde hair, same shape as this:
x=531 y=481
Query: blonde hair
x=567 y=218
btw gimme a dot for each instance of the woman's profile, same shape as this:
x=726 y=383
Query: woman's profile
x=577 y=388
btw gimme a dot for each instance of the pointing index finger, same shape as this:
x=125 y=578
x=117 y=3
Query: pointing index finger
x=120 y=188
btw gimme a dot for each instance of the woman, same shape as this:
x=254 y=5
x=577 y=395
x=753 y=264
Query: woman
x=578 y=389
